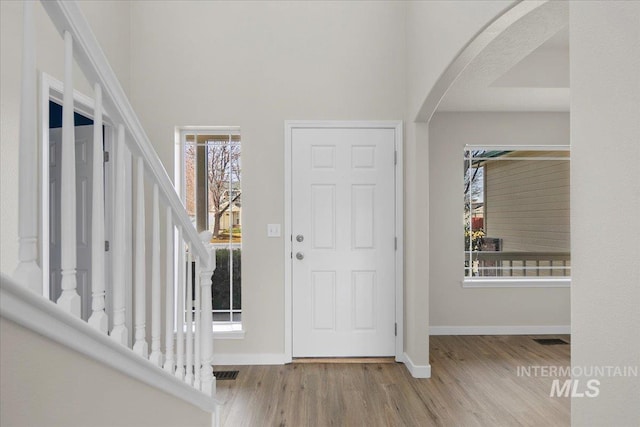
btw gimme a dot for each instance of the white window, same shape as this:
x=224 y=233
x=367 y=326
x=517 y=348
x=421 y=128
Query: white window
x=211 y=171
x=516 y=216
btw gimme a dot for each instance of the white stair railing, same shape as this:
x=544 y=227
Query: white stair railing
x=182 y=241
x=140 y=285
x=169 y=360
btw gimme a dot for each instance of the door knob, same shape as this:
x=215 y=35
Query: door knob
x=299 y=238
x=299 y=255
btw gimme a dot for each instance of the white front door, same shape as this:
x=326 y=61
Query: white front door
x=84 y=180
x=343 y=230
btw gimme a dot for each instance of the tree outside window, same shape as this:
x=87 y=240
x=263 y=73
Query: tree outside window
x=213 y=199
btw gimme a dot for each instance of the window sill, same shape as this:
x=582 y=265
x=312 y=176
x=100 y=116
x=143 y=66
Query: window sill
x=228 y=331
x=529 y=282
x=225 y=331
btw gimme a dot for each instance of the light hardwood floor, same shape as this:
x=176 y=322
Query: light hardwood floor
x=474 y=382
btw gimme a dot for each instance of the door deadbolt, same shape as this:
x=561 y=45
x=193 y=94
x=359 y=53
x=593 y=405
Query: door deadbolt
x=299 y=238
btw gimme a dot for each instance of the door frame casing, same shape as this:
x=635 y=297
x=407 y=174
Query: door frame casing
x=397 y=126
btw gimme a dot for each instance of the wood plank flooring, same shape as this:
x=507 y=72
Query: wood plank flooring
x=474 y=383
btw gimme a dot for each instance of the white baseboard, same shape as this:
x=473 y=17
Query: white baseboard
x=249 y=359
x=500 y=330
x=416 y=371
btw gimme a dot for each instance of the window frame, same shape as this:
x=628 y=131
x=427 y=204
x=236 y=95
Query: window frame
x=511 y=281
x=221 y=329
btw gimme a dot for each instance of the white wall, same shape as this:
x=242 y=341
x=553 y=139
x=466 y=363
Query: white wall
x=450 y=304
x=416 y=243
x=110 y=22
x=605 y=133
x=435 y=32
x=46 y=384
x=255 y=65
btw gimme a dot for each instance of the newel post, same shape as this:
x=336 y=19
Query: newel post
x=207 y=380
x=28 y=272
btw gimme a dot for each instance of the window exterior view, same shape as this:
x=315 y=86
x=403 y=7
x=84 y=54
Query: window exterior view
x=516 y=213
x=213 y=199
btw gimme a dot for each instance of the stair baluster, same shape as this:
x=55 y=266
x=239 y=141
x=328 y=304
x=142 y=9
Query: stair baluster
x=119 y=331
x=188 y=378
x=156 y=325
x=140 y=345
x=169 y=361
x=69 y=300
x=207 y=380
x=98 y=319
x=196 y=315
x=180 y=310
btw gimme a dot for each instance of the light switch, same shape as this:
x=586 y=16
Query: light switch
x=273 y=230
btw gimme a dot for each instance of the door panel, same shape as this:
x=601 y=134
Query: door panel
x=323 y=299
x=84 y=179
x=362 y=215
x=343 y=207
x=323 y=216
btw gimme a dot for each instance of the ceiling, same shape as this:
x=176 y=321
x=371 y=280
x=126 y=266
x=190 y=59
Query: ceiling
x=526 y=68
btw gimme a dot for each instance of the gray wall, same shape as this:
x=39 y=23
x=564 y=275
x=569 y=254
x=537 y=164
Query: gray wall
x=450 y=304
x=605 y=133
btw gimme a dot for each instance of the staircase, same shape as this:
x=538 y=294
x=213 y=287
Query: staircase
x=174 y=353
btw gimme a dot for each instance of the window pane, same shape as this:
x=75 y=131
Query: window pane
x=190 y=174
x=224 y=174
x=220 y=317
x=516 y=213
x=213 y=191
x=237 y=279
x=221 y=295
